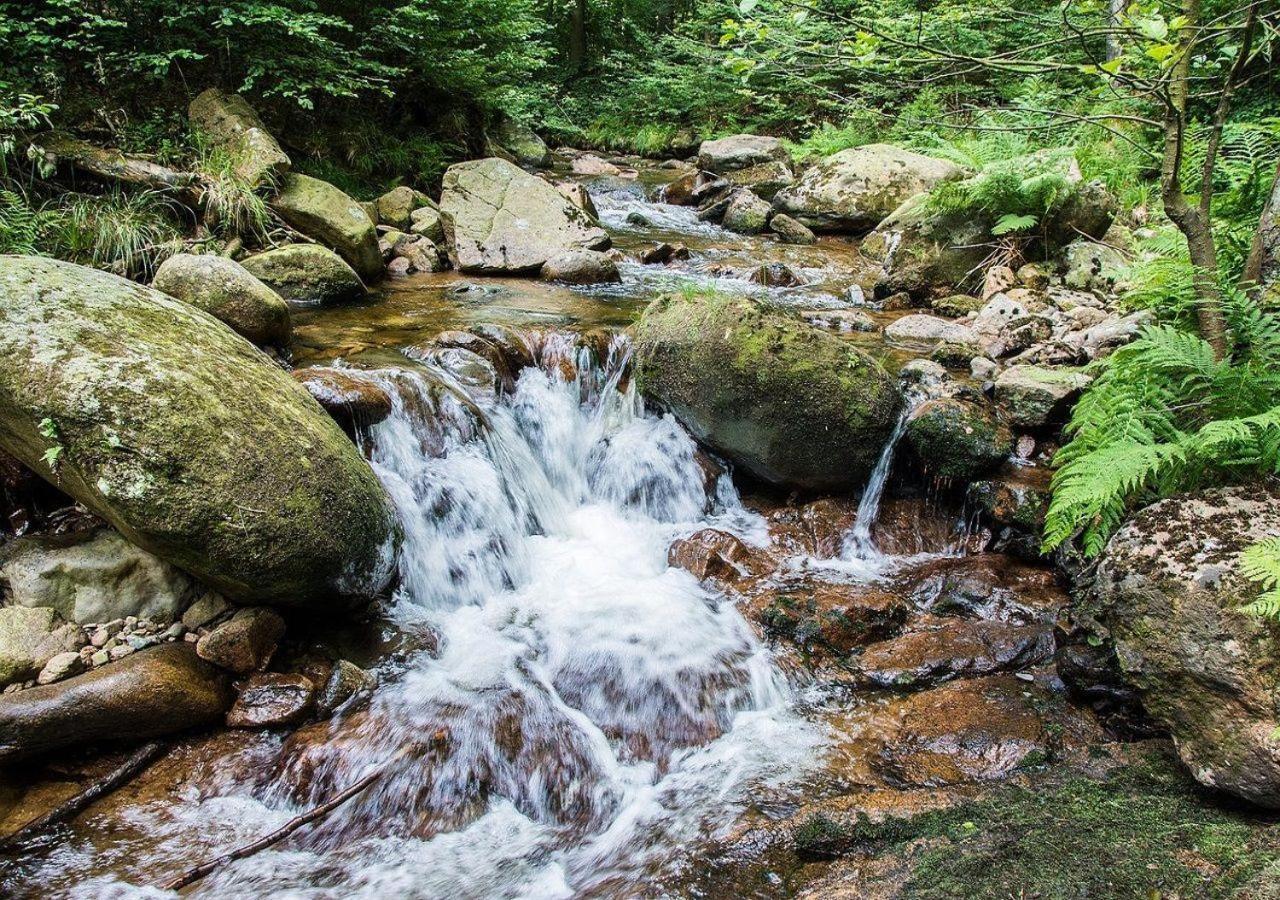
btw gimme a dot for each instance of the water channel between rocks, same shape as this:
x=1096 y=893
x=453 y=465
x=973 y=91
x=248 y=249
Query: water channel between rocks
x=583 y=718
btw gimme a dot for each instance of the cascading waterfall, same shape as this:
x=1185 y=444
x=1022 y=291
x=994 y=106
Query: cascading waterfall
x=859 y=546
x=589 y=709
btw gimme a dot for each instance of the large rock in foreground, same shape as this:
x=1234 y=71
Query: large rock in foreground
x=788 y=403
x=229 y=122
x=855 y=189
x=499 y=219
x=1169 y=589
x=322 y=212
x=185 y=437
x=230 y=293
x=160 y=691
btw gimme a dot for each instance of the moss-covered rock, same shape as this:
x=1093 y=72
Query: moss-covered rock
x=788 y=403
x=1169 y=590
x=230 y=293
x=746 y=213
x=519 y=142
x=396 y=207
x=306 y=274
x=958 y=439
x=1035 y=397
x=322 y=212
x=185 y=437
x=229 y=122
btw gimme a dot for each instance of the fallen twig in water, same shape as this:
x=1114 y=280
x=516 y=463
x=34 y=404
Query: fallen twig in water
x=140 y=759
x=193 y=875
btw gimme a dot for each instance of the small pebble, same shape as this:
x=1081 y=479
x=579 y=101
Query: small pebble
x=121 y=651
x=100 y=658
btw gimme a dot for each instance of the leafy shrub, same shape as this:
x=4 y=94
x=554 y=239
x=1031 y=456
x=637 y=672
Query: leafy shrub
x=1016 y=192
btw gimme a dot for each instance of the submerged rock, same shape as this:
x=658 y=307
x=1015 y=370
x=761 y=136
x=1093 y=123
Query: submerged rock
x=306 y=274
x=185 y=437
x=1168 y=589
x=499 y=219
x=855 y=189
x=93 y=577
x=322 y=212
x=230 y=293
x=788 y=403
x=271 y=700
x=152 y=693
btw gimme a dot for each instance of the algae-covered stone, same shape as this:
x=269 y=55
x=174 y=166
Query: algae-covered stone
x=322 y=212
x=230 y=293
x=396 y=206
x=185 y=437
x=1169 y=589
x=746 y=213
x=520 y=142
x=230 y=123
x=1036 y=397
x=499 y=219
x=855 y=189
x=958 y=439
x=306 y=274
x=788 y=403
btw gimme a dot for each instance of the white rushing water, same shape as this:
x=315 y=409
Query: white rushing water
x=589 y=711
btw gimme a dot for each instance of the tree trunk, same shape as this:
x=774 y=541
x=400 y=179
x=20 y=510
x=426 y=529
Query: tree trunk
x=1114 y=11
x=1263 y=266
x=112 y=165
x=578 y=36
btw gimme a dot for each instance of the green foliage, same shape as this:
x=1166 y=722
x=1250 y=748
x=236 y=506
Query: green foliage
x=1165 y=416
x=1017 y=191
x=20 y=223
x=1261 y=563
x=233 y=206
x=130 y=233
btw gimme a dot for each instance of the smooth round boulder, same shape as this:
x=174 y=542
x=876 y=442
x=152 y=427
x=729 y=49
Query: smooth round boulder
x=152 y=693
x=853 y=190
x=520 y=142
x=306 y=275
x=186 y=438
x=580 y=267
x=788 y=403
x=1169 y=590
x=230 y=293
x=746 y=213
x=325 y=214
x=789 y=231
x=958 y=439
x=396 y=206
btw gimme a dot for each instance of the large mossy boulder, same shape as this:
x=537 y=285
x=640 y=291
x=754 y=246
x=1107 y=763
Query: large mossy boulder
x=306 y=275
x=855 y=189
x=519 y=142
x=788 y=403
x=230 y=124
x=500 y=220
x=936 y=242
x=322 y=212
x=186 y=437
x=230 y=293
x=1169 y=591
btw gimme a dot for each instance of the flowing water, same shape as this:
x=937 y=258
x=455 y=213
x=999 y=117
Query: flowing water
x=567 y=713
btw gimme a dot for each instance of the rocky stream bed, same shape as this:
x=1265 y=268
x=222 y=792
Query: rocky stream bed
x=619 y=662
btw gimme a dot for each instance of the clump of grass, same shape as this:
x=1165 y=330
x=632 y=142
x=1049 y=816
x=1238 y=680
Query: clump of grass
x=129 y=233
x=233 y=206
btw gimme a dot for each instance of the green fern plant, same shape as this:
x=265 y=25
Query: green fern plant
x=1261 y=563
x=20 y=223
x=1165 y=416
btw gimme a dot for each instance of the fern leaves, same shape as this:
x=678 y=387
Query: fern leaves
x=1261 y=563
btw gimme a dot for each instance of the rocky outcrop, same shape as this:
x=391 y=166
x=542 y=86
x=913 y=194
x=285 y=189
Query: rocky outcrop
x=788 y=403
x=306 y=274
x=230 y=293
x=322 y=212
x=1168 y=590
x=499 y=219
x=185 y=437
x=230 y=123
x=92 y=577
x=159 y=691
x=855 y=189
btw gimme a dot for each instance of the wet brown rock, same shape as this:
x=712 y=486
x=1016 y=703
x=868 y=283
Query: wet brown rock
x=836 y=617
x=714 y=555
x=817 y=528
x=346 y=680
x=776 y=275
x=937 y=649
x=986 y=586
x=664 y=253
x=158 y=691
x=352 y=398
x=270 y=700
x=245 y=642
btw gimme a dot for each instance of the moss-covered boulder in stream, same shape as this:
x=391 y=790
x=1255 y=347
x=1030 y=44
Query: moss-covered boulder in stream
x=958 y=439
x=306 y=275
x=187 y=438
x=322 y=212
x=786 y=402
x=230 y=293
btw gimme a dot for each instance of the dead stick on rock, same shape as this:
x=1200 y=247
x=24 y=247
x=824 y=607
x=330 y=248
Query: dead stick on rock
x=200 y=871
x=140 y=759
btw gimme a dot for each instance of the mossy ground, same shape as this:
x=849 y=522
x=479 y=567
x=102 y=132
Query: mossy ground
x=1145 y=831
